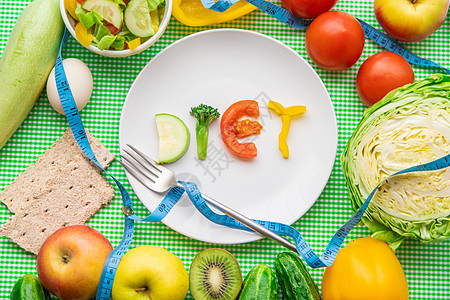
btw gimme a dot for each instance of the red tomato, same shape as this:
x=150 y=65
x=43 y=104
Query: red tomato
x=308 y=8
x=113 y=29
x=232 y=128
x=380 y=74
x=81 y=1
x=335 y=40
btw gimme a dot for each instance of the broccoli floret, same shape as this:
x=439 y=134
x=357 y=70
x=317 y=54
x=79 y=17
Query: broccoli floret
x=204 y=114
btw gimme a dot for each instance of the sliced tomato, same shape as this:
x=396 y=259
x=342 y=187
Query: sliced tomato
x=113 y=29
x=232 y=128
x=81 y=1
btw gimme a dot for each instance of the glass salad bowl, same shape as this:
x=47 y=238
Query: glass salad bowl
x=116 y=28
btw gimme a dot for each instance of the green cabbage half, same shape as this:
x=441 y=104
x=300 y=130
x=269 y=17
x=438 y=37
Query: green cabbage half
x=410 y=126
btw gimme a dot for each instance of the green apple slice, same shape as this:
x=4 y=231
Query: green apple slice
x=173 y=137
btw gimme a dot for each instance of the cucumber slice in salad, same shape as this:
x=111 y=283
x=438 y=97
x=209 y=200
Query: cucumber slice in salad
x=107 y=9
x=137 y=18
x=173 y=137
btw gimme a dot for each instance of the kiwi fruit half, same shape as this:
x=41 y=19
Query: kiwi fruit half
x=215 y=275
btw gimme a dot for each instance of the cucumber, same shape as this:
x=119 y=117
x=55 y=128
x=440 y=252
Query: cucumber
x=107 y=9
x=137 y=18
x=294 y=279
x=260 y=284
x=26 y=62
x=173 y=137
x=28 y=287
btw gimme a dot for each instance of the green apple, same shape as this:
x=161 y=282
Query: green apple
x=410 y=20
x=150 y=272
x=70 y=262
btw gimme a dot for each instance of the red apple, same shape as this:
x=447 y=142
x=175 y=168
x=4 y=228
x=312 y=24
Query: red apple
x=70 y=262
x=410 y=20
x=308 y=8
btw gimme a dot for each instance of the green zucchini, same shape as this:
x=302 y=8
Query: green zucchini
x=294 y=279
x=28 y=287
x=260 y=284
x=26 y=62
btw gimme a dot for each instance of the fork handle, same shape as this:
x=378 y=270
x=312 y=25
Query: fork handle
x=251 y=224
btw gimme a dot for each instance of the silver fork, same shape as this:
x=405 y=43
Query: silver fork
x=160 y=179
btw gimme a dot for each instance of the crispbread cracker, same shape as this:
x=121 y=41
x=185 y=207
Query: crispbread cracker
x=70 y=198
x=30 y=182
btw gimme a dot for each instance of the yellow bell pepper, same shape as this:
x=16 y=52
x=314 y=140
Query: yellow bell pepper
x=71 y=5
x=155 y=20
x=365 y=269
x=286 y=116
x=134 y=43
x=193 y=13
x=83 y=36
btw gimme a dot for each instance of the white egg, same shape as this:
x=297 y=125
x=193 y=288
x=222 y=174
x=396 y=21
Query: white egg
x=80 y=81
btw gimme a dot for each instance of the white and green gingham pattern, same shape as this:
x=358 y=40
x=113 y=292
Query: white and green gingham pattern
x=426 y=265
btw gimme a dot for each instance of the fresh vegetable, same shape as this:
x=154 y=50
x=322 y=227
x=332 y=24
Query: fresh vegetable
x=26 y=62
x=408 y=127
x=71 y=5
x=105 y=19
x=204 y=114
x=286 y=116
x=137 y=18
x=134 y=43
x=294 y=279
x=83 y=36
x=193 y=13
x=365 y=269
x=308 y=8
x=260 y=284
x=173 y=137
x=28 y=287
x=233 y=129
x=380 y=74
x=335 y=40
x=108 y=10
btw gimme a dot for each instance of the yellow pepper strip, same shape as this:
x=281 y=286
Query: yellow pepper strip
x=83 y=36
x=134 y=43
x=193 y=13
x=155 y=20
x=71 y=5
x=286 y=116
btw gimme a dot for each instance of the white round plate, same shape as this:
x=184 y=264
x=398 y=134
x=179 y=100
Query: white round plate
x=218 y=68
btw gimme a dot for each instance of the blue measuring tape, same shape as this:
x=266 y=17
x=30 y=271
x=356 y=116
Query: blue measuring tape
x=290 y=19
x=170 y=200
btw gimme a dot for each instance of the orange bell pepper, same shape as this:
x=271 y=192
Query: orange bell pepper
x=193 y=13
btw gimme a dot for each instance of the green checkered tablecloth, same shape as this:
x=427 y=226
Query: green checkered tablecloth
x=426 y=265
